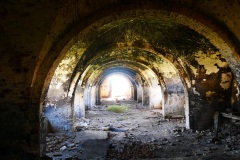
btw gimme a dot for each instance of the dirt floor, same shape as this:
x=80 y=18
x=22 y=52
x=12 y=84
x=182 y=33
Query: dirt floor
x=138 y=133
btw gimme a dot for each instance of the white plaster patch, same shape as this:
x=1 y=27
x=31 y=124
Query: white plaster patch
x=210 y=61
x=226 y=80
x=193 y=82
x=188 y=83
x=195 y=92
x=194 y=70
x=210 y=93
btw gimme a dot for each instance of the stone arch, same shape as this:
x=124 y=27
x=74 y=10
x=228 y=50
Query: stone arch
x=180 y=13
x=226 y=46
x=161 y=83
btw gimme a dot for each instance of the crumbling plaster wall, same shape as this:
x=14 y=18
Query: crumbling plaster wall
x=211 y=87
x=235 y=99
x=60 y=82
x=105 y=90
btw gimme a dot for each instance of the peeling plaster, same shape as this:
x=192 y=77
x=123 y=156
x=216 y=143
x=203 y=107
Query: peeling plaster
x=167 y=69
x=226 y=80
x=193 y=82
x=188 y=83
x=195 y=92
x=210 y=93
x=210 y=61
x=193 y=69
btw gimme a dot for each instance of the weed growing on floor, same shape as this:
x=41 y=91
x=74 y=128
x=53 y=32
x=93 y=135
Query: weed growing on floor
x=117 y=108
x=122 y=118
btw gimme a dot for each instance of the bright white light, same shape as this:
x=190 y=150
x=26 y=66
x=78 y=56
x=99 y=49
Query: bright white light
x=121 y=88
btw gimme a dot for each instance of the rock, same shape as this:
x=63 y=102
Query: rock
x=48 y=139
x=63 y=148
x=116 y=129
x=178 y=135
x=213 y=148
x=218 y=142
x=71 y=145
x=57 y=154
x=188 y=155
x=105 y=128
x=85 y=120
x=80 y=125
x=198 y=153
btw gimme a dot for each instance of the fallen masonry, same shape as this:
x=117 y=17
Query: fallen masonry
x=141 y=134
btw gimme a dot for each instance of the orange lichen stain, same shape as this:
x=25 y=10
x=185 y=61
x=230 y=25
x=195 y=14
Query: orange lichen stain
x=226 y=80
x=210 y=93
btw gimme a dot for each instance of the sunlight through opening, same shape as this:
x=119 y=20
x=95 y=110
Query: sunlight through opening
x=121 y=87
x=116 y=87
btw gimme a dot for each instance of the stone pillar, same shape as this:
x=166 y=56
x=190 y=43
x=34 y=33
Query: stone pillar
x=145 y=96
x=155 y=97
x=79 y=107
x=93 y=96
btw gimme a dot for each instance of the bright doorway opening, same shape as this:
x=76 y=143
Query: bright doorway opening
x=116 y=86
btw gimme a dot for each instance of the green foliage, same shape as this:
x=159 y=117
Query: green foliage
x=117 y=108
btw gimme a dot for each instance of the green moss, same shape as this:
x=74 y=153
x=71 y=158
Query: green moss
x=117 y=108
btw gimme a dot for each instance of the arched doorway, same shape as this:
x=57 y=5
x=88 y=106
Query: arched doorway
x=117 y=87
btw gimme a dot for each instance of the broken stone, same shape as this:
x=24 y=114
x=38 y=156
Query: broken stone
x=178 y=135
x=57 y=154
x=105 y=128
x=71 y=145
x=63 y=148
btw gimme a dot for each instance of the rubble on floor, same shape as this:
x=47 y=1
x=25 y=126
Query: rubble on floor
x=141 y=134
